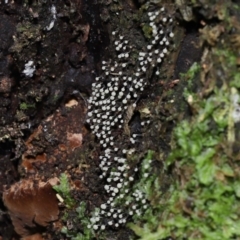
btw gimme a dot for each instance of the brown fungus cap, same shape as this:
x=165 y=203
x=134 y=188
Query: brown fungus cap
x=30 y=205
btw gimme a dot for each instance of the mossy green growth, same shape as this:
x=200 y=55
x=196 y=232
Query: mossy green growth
x=194 y=69
x=25 y=106
x=147 y=31
x=205 y=204
x=82 y=220
x=204 y=201
x=189 y=77
x=64 y=190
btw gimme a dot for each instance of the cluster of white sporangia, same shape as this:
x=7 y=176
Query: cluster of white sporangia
x=112 y=93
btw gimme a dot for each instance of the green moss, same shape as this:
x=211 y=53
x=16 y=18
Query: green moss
x=194 y=69
x=203 y=200
x=204 y=204
x=75 y=215
x=147 y=31
x=25 y=106
x=83 y=220
x=64 y=190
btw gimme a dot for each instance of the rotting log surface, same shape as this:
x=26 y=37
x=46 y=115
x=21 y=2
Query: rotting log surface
x=39 y=116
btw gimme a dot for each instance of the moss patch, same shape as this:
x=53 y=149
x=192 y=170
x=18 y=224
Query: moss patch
x=203 y=200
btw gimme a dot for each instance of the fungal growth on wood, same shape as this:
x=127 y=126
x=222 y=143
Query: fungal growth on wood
x=115 y=95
